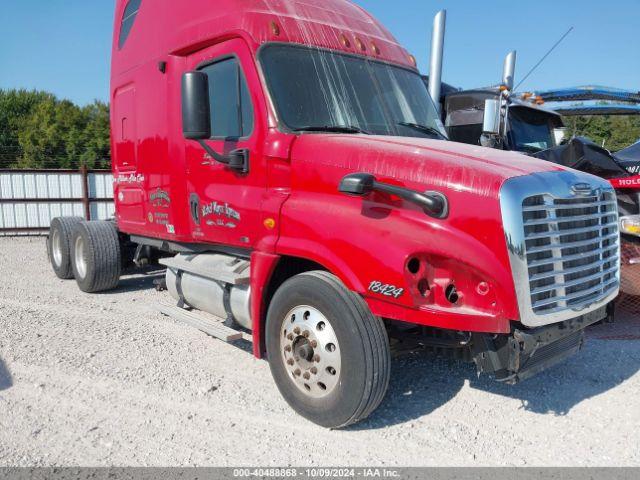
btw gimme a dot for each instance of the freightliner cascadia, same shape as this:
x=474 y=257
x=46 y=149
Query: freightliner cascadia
x=284 y=160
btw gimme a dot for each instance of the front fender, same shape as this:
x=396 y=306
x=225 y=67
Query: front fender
x=368 y=243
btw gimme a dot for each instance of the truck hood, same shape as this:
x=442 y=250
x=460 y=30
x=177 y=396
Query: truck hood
x=437 y=164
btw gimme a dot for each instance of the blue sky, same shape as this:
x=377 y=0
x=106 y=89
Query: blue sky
x=63 y=46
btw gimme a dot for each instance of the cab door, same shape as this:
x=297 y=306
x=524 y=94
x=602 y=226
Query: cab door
x=224 y=204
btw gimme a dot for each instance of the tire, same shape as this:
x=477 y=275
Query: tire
x=59 y=245
x=95 y=256
x=354 y=372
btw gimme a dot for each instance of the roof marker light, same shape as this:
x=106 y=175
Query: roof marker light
x=345 y=41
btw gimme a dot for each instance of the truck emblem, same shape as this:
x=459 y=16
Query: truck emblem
x=582 y=189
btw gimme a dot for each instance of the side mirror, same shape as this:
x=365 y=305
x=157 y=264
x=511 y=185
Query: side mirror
x=491 y=121
x=196 y=112
x=560 y=134
x=357 y=184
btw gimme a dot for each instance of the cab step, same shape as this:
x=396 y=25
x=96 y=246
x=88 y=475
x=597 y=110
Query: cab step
x=206 y=323
x=234 y=271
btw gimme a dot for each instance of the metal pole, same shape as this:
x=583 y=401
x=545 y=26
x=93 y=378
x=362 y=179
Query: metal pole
x=437 y=52
x=85 y=192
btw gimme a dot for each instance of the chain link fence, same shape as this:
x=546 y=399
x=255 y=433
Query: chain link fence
x=12 y=157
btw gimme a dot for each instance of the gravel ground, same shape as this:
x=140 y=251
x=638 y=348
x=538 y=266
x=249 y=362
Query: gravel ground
x=103 y=380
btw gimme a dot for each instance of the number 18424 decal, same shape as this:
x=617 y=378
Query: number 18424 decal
x=386 y=289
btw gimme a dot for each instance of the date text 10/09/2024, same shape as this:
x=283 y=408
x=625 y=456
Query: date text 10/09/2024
x=316 y=473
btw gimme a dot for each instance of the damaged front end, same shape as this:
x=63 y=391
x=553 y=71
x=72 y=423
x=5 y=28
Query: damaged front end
x=528 y=351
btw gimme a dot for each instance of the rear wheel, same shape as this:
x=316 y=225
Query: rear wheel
x=328 y=354
x=95 y=256
x=59 y=245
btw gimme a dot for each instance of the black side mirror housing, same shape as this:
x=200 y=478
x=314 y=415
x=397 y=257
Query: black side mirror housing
x=357 y=184
x=196 y=111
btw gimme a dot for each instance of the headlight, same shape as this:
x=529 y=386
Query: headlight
x=630 y=225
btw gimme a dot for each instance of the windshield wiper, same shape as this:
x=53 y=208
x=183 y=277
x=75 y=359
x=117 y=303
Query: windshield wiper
x=332 y=128
x=424 y=129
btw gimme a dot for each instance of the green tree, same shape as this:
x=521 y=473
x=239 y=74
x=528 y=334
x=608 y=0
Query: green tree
x=39 y=131
x=97 y=143
x=615 y=132
x=16 y=106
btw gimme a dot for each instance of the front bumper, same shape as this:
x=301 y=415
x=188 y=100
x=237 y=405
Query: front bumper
x=526 y=352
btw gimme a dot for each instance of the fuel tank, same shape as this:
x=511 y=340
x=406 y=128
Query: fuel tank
x=208 y=285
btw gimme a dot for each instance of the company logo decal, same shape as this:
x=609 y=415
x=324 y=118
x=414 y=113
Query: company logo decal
x=160 y=198
x=225 y=215
x=134 y=178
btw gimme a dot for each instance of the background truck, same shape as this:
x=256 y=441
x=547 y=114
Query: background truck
x=285 y=162
x=497 y=117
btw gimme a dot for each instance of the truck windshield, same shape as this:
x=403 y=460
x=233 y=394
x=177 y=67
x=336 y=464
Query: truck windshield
x=531 y=130
x=320 y=90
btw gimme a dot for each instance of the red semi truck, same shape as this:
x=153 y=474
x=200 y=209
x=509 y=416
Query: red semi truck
x=284 y=160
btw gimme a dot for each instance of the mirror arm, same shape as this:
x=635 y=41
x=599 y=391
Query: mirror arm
x=215 y=155
x=433 y=203
x=237 y=160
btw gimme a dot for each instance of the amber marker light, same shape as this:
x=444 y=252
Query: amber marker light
x=630 y=224
x=270 y=223
x=275 y=29
x=345 y=41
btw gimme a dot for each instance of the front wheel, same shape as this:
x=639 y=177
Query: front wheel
x=328 y=355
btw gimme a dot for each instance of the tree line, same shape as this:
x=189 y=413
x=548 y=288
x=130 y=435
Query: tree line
x=38 y=130
x=614 y=132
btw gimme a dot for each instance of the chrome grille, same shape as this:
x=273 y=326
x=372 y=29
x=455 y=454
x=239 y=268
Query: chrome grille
x=571 y=250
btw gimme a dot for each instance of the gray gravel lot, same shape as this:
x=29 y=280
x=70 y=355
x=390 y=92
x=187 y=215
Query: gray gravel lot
x=102 y=380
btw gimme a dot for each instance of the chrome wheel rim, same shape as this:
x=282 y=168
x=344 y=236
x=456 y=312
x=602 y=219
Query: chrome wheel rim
x=56 y=248
x=310 y=351
x=81 y=263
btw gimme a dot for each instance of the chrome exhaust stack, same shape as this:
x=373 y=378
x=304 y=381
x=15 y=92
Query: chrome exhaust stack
x=437 y=53
x=509 y=70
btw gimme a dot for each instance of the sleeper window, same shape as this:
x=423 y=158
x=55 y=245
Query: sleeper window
x=128 y=18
